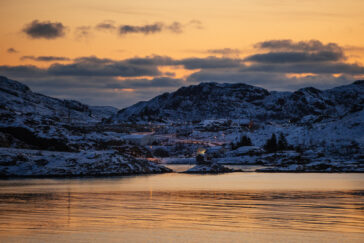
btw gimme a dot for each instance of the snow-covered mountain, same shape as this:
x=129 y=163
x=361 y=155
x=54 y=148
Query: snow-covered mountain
x=45 y=136
x=19 y=105
x=239 y=101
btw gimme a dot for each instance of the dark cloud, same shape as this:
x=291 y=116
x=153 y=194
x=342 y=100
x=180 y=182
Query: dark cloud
x=272 y=81
x=175 y=27
x=234 y=76
x=188 y=63
x=93 y=60
x=99 y=90
x=11 y=50
x=106 y=25
x=144 y=29
x=288 y=51
x=209 y=62
x=152 y=60
x=45 y=58
x=45 y=29
x=323 y=65
x=86 y=66
x=287 y=65
x=292 y=57
x=306 y=46
x=319 y=68
x=22 y=71
x=287 y=56
x=147 y=83
x=93 y=66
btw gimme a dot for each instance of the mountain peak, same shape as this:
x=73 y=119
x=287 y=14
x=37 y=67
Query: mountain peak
x=21 y=105
x=9 y=84
x=239 y=100
x=359 y=82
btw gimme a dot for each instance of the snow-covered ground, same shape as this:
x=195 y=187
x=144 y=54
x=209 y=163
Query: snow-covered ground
x=323 y=130
x=22 y=162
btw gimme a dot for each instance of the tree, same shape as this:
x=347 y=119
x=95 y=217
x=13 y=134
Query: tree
x=282 y=142
x=200 y=159
x=244 y=141
x=271 y=144
x=161 y=152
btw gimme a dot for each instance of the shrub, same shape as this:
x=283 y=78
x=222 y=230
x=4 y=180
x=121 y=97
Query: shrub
x=200 y=159
x=244 y=141
x=160 y=152
x=273 y=145
x=282 y=142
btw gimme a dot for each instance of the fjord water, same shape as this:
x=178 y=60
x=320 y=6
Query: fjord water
x=236 y=207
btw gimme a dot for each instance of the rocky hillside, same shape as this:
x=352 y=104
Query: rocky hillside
x=20 y=106
x=44 y=136
x=33 y=163
x=239 y=101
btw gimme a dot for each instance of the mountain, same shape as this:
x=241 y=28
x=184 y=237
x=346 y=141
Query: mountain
x=318 y=130
x=20 y=106
x=44 y=136
x=36 y=121
x=323 y=127
x=239 y=101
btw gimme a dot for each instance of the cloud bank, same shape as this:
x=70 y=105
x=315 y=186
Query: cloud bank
x=157 y=27
x=277 y=64
x=46 y=29
x=45 y=58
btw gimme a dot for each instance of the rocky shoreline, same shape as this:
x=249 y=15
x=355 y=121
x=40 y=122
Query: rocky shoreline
x=35 y=163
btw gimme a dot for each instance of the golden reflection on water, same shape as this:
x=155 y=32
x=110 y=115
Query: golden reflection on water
x=230 y=203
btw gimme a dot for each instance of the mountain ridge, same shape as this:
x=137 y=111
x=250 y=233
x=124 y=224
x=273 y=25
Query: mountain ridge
x=323 y=127
x=19 y=101
x=239 y=100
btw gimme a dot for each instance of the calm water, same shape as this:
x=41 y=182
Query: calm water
x=237 y=207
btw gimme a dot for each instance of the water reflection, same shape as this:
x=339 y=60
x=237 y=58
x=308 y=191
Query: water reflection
x=58 y=206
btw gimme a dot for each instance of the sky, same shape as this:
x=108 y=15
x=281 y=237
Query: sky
x=119 y=52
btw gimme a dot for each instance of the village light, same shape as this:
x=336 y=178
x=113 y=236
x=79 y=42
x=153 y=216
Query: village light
x=201 y=151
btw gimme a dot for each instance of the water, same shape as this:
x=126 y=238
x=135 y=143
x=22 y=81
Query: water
x=184 y=167
x=237 y=207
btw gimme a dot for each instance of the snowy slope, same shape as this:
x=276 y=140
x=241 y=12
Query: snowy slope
x=44 y=136
x=239 y=101
x=330 y=123
x=22 y=162
x=19 y=105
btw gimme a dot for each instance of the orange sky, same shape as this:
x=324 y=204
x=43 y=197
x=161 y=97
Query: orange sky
x=230 y=23
x=235 y=24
